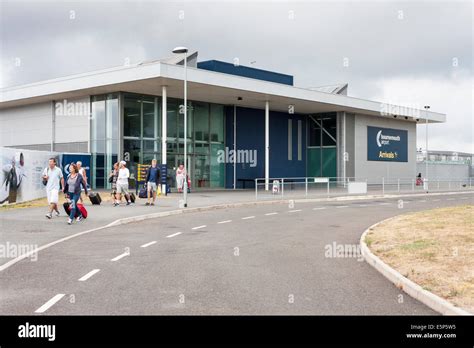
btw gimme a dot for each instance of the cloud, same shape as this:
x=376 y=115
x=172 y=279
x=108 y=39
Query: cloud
x=452 y=96
x=396 y=50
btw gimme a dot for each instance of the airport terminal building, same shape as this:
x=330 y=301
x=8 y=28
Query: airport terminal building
x=243 y=123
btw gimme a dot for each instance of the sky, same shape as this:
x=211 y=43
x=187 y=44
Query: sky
x=411 y=53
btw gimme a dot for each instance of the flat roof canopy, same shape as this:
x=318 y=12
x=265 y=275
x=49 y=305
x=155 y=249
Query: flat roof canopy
x=203 y=85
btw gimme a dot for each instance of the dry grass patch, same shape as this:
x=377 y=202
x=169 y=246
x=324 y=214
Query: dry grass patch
x=434 y=248
x=43 y=202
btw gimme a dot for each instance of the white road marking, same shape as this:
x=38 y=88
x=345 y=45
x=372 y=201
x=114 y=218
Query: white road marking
x=88 y=275
x=294 y=211
x=436 y=200
x=450 y=199
x=147 y=244
x=198 y=227
x=116 y=258
x=224 y=222
x=423 y=201
x=342 y=206
x=319 y=208
x=384 y=203
x=362 y=205
x=49 y=304
x=464 y=198
x=173 y=235
x=268 y=214
x=248 y=217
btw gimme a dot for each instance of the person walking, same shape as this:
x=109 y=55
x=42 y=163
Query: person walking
x=81 y=171
x=113 y=179
x=73 y=190
x=52 y=177
x=152 y=180
x=122 y=184
x=180 y=177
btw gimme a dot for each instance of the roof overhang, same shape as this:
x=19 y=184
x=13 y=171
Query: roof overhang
x=204 y=85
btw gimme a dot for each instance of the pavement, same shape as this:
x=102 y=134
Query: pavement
x=259 y=259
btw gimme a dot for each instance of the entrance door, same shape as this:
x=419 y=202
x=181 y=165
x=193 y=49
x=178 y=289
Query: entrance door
x=174 y=161
x=322 y=147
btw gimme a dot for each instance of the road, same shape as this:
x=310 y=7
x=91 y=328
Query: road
x=264 y=259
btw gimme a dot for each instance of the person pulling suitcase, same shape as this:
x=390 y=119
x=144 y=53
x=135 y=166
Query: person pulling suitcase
x=72 y=189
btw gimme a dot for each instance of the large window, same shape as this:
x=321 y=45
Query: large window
x=205 y=136
x=322 y=145
x=104 y=137
x=142 y=132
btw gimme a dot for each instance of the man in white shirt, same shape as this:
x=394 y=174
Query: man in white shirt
x=122 y=184
x=53 y=175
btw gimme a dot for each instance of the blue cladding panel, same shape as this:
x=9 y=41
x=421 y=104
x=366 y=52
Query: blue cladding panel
x=251 y=136
x=245 y=71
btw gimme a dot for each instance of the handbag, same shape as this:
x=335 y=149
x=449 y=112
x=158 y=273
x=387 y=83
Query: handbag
x=45 y=181
x=143 y=192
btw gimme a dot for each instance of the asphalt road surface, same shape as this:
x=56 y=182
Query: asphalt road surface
x=264 y=259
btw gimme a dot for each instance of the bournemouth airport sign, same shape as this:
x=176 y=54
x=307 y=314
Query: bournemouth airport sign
x=387 y=144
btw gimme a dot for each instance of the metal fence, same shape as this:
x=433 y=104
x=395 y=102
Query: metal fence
x=329 y=187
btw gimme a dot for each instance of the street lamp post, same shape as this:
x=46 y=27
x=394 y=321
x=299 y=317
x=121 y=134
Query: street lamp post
x=427 y=107
x=184 y=50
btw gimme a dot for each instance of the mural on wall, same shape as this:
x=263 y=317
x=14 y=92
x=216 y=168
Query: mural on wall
x=20 y=177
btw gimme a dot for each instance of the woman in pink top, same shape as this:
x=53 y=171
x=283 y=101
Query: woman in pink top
x=180 y=177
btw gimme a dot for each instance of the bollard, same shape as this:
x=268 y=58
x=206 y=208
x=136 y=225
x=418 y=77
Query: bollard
x=256 y=189
x=306 y=186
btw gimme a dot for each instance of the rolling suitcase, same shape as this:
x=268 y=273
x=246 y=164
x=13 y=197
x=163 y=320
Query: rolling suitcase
x=132 y=197
x=67 y=209
x=95 y=198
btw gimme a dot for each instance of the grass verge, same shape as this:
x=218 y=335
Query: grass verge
x=433 y=248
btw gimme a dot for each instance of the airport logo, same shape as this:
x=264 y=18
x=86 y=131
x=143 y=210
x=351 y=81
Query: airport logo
x=385 y=139
x=37 y=331
x=237 y=156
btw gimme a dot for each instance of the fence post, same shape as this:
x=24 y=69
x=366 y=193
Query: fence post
x=256 y=189
x=282 y=186
x=306 y=185
x=383 y=186
x=328 y=188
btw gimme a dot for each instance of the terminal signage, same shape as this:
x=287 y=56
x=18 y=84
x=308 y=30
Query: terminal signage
x=387 y=144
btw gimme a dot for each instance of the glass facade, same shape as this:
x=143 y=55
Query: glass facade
x=322 y=153
x=141 y=120
x=205 y=135
x=104 y=137
x=141 y=130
